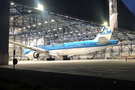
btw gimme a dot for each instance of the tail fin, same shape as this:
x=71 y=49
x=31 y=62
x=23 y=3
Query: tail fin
x=108 y=30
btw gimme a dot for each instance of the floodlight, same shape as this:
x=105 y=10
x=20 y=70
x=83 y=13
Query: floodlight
x=12 y=18
x=28 y=26
x=29 y=11
x=52 y=20
x=60 y=28
x=40 y=7
x=39 y=23
x=24 y=27
x=12 y=3
x=105 y=23
x=45 y=21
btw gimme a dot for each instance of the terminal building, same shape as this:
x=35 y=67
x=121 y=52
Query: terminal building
x=34 y=27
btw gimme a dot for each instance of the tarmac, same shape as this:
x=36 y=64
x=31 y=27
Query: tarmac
x=116 y=69
x=80 y=71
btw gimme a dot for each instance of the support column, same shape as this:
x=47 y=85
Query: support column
x=4 y=31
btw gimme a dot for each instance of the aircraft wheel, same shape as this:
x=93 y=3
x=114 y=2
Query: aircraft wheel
x=66 y=58
x=50 y=59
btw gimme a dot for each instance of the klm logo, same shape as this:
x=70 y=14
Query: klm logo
x=106 y=31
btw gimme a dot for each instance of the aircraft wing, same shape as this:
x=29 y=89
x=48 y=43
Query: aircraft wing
x=103 y=40
x=38 y=50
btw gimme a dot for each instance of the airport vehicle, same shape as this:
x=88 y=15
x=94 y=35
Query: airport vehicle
x=64 y=50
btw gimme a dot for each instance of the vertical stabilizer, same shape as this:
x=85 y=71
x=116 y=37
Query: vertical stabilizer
x=108 y=30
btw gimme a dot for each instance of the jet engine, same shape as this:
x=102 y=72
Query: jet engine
x=35 y=55
x=32 y=55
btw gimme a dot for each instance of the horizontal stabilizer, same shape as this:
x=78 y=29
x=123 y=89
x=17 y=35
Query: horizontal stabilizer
x=103 y=40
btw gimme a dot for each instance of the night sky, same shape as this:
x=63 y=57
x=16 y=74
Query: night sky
x=130 y=4
x=91 y=10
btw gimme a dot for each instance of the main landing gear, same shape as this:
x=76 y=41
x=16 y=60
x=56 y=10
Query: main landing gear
x=50 y=59
x=66 y=58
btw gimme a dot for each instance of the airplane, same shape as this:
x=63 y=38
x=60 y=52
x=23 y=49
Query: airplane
x=62 y=51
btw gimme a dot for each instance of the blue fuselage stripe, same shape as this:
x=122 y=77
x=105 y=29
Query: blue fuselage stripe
x=71 y=45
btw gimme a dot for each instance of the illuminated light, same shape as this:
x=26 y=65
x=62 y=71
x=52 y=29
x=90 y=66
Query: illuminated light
x=54 y=29
x=48 y=30
x=69 y=35
x=70 y=32
x=66 y=16
x=20 y=29
x=28 y=26
x=55 y=34
x=39 y=32
x=12 y=18
x=12 y=3
x=52 y=20
x=45 y=21
x=84 y=33
x=105 y=23
x=40 y=7
x=24 y=27
x=15 y=30
x=29 y=11
x=60 y=28
x=39 y=23
x=34 y=25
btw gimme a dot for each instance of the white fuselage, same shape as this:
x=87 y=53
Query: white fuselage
x=70 y=52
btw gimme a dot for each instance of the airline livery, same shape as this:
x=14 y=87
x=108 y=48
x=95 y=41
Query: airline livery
x=62 y=51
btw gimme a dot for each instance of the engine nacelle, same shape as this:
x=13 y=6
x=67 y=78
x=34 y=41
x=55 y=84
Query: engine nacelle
x=32 y=55
x=35 y=55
